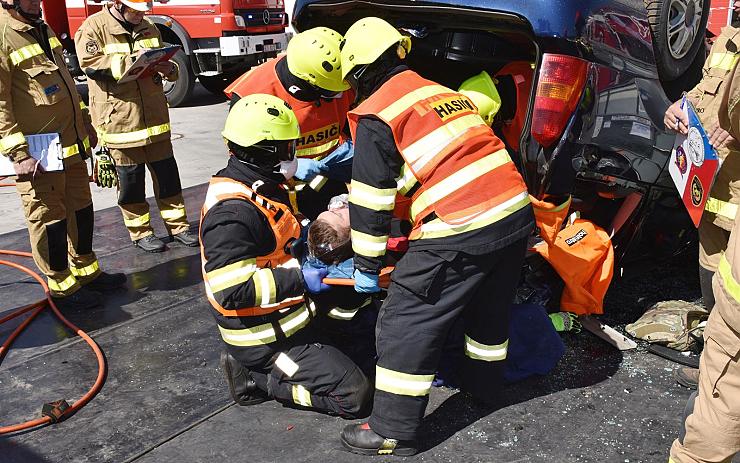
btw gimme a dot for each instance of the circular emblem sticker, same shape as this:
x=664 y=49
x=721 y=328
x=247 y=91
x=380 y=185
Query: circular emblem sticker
x=681 y=162
x=695 y=146
x=697 y=191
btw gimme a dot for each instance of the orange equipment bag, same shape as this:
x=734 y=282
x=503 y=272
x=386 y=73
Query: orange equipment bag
x=581 y=253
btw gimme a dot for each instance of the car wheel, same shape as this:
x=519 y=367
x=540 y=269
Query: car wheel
x=180 y=91
x=678 y=28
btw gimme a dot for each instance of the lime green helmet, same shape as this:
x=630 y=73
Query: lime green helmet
x=482 y=91
x=367 y=39
x=314 y=56
x=260 y=117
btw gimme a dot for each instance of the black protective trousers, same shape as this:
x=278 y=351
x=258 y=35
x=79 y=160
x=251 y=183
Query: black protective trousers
x=430 y=289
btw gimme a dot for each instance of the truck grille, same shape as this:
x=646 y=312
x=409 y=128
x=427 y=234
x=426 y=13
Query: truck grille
x=264 y=17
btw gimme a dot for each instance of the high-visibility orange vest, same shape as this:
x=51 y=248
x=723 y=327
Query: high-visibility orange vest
x=464 y=171
x=321 y=124
x=285 y=227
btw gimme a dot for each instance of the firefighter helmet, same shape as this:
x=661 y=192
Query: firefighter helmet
x=260 y=117
x=482 y=91
x=313 y=56
x=367 y=39
x=139 y=5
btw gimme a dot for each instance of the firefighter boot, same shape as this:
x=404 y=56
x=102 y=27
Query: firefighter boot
x=150 y=243
x=187 y=238
x=82 y=299
x=359 y=438
x=242 y=387
x=105 y=282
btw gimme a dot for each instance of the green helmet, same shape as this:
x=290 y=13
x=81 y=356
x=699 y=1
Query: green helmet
x=314 y=56
x=482 y=91
x=366 y=40
x=260 y=117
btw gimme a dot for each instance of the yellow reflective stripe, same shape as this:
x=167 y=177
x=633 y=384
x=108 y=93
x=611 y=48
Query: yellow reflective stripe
x=399 y=383
x=301 y=396
x=147 y=43
x=424 y=150
x=230 y=275
x=27 y=52
x=61 y=286
x=439 y=229
x=138 y=135
x=113 y=48
x=368 y=245
x=722 y=60
x=264 y=287
x=729 y=282
x=86 y=271
x=338 y=313
x=306 y=152
x=71 y=150
x=12 y=141
x=318 y=182
x=376 y=199
x=406 y=181
x=723 y=208
x=488 y=353
x=116 y=66
x=83 y=106
x=173 y=214
x=395 y=109
x=140 y=221
x=265 y=333
x=458 y=180
x=54 y=42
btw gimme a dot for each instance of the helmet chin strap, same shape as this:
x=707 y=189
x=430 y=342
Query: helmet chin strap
x=33 y=18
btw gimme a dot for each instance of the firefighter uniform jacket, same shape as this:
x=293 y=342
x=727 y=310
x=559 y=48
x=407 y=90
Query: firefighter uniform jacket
x=37 y=93
x=126 y=114
x=436 y=150
x=725 y=195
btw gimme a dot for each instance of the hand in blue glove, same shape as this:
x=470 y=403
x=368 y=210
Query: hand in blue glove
x=366 y=282
x=313 y=280
x=307 y=169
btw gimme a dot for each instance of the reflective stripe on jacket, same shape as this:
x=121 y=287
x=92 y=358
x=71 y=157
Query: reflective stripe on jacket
x=286 y=229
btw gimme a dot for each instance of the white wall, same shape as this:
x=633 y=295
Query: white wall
x=289 y=4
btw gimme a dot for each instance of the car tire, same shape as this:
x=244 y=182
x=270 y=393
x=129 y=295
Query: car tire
x=180 y=91
x=676 y=42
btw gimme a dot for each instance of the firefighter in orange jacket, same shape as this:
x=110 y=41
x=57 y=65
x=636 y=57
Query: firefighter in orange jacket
x=254 y=285
x=471 y=218
x=309 y=79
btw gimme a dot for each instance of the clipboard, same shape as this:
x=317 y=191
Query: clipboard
x=142 y=66
x=45 y=148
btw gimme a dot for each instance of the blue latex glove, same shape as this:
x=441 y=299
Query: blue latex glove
x=308 y=169
x=337 y=165
x=366 y=282
x=313 y=280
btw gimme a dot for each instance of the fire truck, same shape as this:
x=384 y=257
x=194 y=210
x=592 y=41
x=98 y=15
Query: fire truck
x=720 y=15
x=220 y=39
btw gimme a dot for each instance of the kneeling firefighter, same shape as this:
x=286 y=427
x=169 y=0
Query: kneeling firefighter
x=255 y=286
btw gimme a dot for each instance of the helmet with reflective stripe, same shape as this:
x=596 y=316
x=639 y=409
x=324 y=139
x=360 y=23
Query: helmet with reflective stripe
x=260 y=117
x=367 y=39
x=313 y=56
x=482 y=91
x=139 y=5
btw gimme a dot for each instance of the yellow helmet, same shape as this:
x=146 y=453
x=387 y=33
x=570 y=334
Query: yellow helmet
x=366 y=40
x=482 y=91
x=260 y=117
x=314 y=56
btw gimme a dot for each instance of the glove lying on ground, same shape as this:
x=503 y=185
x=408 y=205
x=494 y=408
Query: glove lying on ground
x=565 y=321
x=104 y=172
x=366 y=282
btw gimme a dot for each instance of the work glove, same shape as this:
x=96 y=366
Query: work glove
x=366 y=282
x=313 y=280
x=565 y=321
x=307 y=169
x=104 y=172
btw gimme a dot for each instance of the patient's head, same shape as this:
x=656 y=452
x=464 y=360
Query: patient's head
x=328 y=236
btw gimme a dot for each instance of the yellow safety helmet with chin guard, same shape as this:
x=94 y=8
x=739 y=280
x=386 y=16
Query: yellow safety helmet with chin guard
x=481 y=89
x=367 y=39
x=314 y=56
x=260 y=117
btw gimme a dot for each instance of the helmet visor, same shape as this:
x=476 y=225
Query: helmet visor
x=284 y=150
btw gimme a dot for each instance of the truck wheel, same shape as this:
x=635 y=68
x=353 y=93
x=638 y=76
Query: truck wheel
x=180 y=91
x=678 y=33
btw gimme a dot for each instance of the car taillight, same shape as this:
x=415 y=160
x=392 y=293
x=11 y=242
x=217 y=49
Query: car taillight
x=558 y=91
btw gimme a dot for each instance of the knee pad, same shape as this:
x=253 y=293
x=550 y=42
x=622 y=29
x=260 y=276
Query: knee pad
x=131 y=184
x=85 y=219
x=56 y=237
x=167 y=176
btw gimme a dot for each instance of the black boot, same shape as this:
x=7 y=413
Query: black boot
x=687 y=377
x=105 y=282
x=242 y=387
x=82 y=299
x=187 y=238
x=150 y=243
x=359 y=438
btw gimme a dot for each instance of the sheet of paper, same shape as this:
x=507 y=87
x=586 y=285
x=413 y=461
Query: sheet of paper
x=44 y=147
